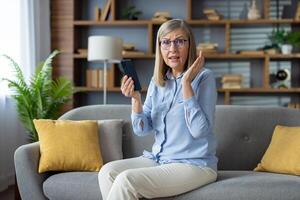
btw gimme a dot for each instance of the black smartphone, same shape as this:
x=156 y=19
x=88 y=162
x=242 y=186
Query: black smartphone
x=127 y=68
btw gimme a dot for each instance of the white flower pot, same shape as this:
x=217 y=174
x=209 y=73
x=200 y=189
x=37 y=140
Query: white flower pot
x=286 y=49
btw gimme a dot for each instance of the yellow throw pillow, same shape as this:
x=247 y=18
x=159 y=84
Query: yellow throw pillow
x=67 y=145
x=283 y=153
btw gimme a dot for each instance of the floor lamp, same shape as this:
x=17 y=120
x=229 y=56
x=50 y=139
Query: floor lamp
x=105 y=49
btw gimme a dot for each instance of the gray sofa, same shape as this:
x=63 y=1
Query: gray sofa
x=243 y=134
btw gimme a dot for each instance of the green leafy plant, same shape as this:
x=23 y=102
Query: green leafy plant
x=131 y=13
x=293 y=38
x=280 y=37
x=42 y=98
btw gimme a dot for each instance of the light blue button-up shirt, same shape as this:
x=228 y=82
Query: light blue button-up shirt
x=183 y=128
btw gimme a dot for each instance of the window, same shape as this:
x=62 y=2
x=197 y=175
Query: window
x=9 y=39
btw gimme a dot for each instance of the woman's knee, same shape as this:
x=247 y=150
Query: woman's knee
x=127 y=178
x=108 y=171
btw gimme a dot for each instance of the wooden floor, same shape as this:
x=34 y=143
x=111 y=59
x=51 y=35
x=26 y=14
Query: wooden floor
x=8 y=194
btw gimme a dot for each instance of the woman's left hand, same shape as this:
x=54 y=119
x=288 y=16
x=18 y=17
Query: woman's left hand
x=194 y=69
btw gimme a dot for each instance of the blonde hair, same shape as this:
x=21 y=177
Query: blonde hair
x=160 y=67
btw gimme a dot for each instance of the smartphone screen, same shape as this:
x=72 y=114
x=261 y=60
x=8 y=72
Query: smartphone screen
x=127 y=68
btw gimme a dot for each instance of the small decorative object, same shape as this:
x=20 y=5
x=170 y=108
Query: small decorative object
x=131 y=13
x=280 y=79
x=286 y=49
x=212 y=14
x=42 y=98
x=161 y=16
x=253 y=12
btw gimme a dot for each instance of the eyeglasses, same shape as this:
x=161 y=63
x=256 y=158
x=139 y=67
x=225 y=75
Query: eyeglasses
x=179 y=43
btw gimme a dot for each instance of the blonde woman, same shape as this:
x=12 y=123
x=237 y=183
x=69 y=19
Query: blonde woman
x=179 y=108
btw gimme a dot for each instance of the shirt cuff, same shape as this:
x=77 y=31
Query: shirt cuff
x=136 y=115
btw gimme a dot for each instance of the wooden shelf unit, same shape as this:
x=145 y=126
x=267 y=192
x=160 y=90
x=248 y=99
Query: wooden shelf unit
x=66 y=20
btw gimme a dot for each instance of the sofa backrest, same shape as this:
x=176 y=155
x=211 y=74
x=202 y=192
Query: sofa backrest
x=243 y=132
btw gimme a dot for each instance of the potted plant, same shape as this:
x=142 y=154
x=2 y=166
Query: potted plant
x=42 y=97
x=131 y=13
x=285 y=40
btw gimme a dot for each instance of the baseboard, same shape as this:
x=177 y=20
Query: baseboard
x=6 y=181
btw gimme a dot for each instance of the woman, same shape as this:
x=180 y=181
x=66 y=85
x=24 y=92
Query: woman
x=179 y=108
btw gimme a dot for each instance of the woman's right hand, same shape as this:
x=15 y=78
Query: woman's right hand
x=127 y=88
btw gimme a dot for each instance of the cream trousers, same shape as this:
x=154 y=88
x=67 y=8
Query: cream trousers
x=134 y=178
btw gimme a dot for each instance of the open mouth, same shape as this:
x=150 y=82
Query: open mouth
x=173 y=58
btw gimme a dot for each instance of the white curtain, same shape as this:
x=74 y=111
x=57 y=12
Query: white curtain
x=31 y=44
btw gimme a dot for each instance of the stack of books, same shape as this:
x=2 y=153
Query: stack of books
x=82 y=52
x=252 y=52
x=294 y=105
x=230 y=81
x=94 y=78
x=207 y=47
x=130 y=50
x=212 y=14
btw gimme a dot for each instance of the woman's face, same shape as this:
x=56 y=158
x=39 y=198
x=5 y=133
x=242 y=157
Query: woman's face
x=174 y=48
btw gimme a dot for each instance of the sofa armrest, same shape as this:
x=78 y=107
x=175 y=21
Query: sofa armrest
x=30 y=182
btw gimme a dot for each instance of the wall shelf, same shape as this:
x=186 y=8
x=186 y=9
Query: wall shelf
x=70 y=28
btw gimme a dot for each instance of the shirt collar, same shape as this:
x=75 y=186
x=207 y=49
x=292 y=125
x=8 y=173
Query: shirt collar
x=169 y=75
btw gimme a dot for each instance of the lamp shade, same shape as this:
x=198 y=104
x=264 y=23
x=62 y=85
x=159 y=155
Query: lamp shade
x=105 y=48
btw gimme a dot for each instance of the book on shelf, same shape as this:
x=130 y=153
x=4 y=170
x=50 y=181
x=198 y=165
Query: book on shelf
x=208 y=11
x=213 y=17
x=133 y=53
x=97 y=13
x=207 y=47
x=106 y=10
x=128 y=47
x=297 y=15
x=294 y=105
x=231 y=85
x=207 y=51
x=231 y=78
x=94 y=78
x=251 y=52
x=88 y=78
x=82 y=51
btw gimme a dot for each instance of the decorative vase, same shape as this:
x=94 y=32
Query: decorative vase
x=253 y=12
x=286 y=49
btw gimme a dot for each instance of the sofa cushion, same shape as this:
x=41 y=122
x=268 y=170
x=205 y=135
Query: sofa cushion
x=67 y=145
x=250 y=185
x=231 y=185
x=282 y=155
x=110 y=135
x=72 y=185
